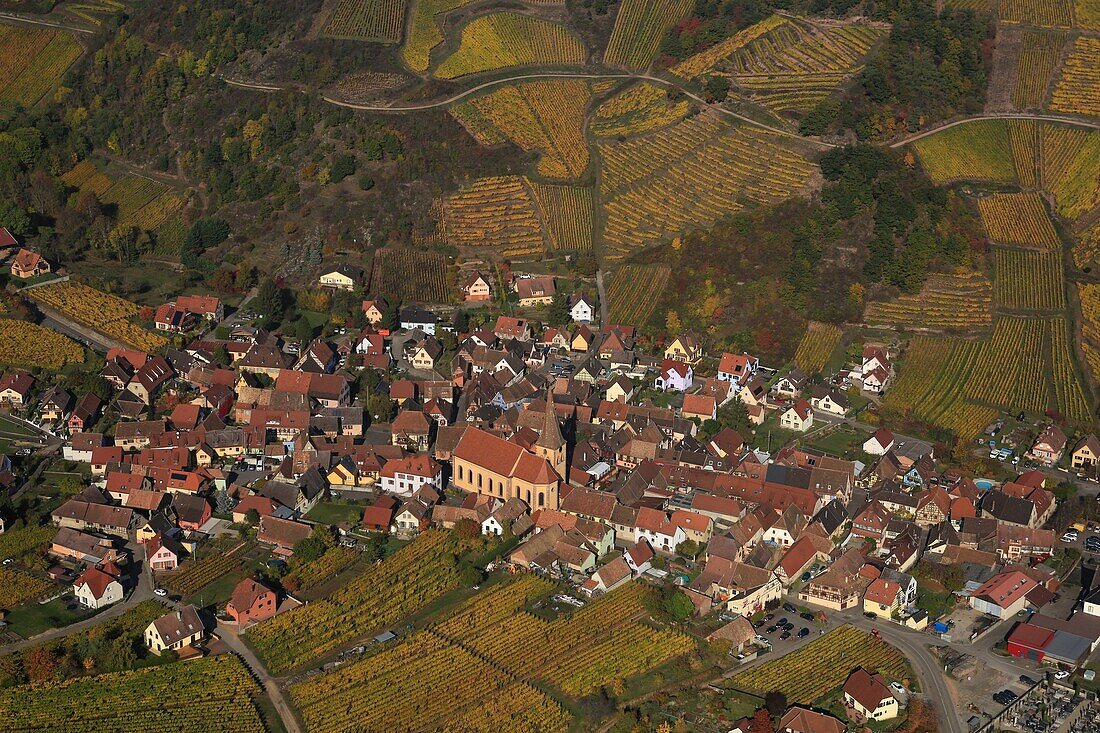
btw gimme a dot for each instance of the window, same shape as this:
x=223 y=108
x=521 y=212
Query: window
x=542 y=500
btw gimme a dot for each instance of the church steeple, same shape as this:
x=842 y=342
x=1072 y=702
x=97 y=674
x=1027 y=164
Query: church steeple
x=551 y=445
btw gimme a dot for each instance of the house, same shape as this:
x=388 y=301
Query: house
x=509 y=517
x=163 y=553
x=206 y=307
x=791 y=384
x=699 y=407
x=340 y=277
x=168 y=317
x=1086 y=454
x=251 y=601
x=738 y=632
x=883 y=598
x=1004 y=595
x=284 y=534
x=476 y=289
x=877 y=369
x=55 y=404
x=175 y=630
x=608 y=577
x=406 y=476
x=508 y=327
x=379 y=516
x=685 y=348
x=425 y=354
x=27 y=264
x=98 y=587
x=879 y=443
x=676 y=376
x=535 y=290
x=737 y=367
x=1047 y=448
x=829 y=400
x=412 y=430
x=85 y=516
x=375 y=310
x=799 y=417
x=15 y=389
x=412 y=318
x=804 y=720
x=621 y=389
x=583 y=309
x=868 y=696
x=738 y=587
x=7 y=239
x=582 y=340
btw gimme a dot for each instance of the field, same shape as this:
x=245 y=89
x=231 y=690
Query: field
x=633 y=292
x=976 y=151
x=413 y=577
x=932 y=385
x=823 y=665
x=94 y=11
x=194 y=575
x=424 y=33
x=545 y=116
x=18 y=542
x=1041 y=13
x=494 y=212
x=141 y=202
x=1038 y=57
x=641 y=107
x=706 y=60
x=1028 y=280
x=639 y=27
x=1078 y=88
x=367 y=20
x=1070 y=158
x=17 y=586
x=1018 y=218
x=567 y=213
x=1024 y=137
x=816 y=346
x=1087 y=14
x=961 y=300
x=795 y=65
x=30 y=345
x=503 y=40
x=335 y=561
x=411 y=275
x=108 y=314
x=1086 y=247
x=1069 y=394
x=213 y=694
x=32 y=62
x=690 y=175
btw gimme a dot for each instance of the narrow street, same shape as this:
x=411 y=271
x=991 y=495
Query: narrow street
x=271 y=686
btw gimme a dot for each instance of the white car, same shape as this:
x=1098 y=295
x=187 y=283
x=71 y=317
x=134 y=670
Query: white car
x=1061 y=674
x=1070 y=537
x=160 y=592
x=897 y=687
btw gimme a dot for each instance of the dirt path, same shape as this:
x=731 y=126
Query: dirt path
x=282 y=707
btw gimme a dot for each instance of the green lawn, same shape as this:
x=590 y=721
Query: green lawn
x=12 y=427
x=335 y=512
x=33 y=618
x=839 y=442
x=771 y=437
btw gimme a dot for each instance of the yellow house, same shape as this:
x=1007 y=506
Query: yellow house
x=881 y=598
x=375 y=310
x=1087 y=452
x=868 y=697
x=341 y=277
x=685 y=348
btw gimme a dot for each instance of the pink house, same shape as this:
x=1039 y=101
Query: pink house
x=163 y=554
x=675 y=376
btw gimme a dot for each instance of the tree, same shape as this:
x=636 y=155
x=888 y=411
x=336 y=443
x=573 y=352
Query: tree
x=558 y=313
x=717 y=89
x=309 y=549
x=469 y=575
x=775 y=702
x=677 y=605
x=269 y=300
x=252 y=517
x=41 y=665
x=688 y=548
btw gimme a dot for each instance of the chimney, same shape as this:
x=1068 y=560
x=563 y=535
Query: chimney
x=179 y=616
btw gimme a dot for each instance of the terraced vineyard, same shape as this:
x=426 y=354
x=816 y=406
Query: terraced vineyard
x=816 y=346
x=504 y=40
x=1042 y=13
x=494 y=212
x=32 y=62
x=976 y=151
x=639 y=27
x=311 y=574
x=545 y=116
x=367 y=20
x=706 y=60
x=1087 y=14
x=633 y=292
x=1069 y=393
x=1070 y=158
x=692 y=174
x=410 y=275
x=641 y=107
x=1018 y=218
x=1078 y=87
x=424 y=33
x=932 y=385
x=1038 y=57
x=962 y=300
x=194 y=575
x=567 y=214
x=109 y=314
x=1028 y=280
x=142 y=202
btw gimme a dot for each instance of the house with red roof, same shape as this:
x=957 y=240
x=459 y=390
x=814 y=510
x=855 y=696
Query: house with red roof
x=675 y=376
x=15 y=389
x=799 y=417
x=1004 y=595
x=379 y=516
x=27 y=264
x=99 y=586
x=879 y=443
x=405 y=476
x=251 y=601
x=699 y=406
x=867 y=697
x=882 y=598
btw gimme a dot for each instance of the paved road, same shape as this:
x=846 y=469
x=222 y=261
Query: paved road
x=233 y=641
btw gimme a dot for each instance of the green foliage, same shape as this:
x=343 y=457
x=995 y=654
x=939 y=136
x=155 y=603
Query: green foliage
x=342 y=167
x=677 y=605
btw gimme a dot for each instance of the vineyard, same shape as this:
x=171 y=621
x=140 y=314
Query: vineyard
x=214 y=694
x=1087 y=14
x=567 y=213
x=32 y=62
x=976 y=151
x=961 y=300
x=1028 y=280
x=546 y=116
x=691 y=174
x=1090 y=326
x=413 y=577
x=1070 y=159
x=311 y=574
x=1078 y=88
x=639 y=108
x=503 y=40
x=706 y=60
x=816 y=346
x=367 y=20
x=639 y=28
x=1041 y=13
x=423 y=683
x=1018 y=218
x=194 y=575
x=823 y=665
x=932 y=385
x=108 y=314
x=29 y=345
x=1024 y=137
x=1086 y=248
x=795 y=65
x=18 y=542
x=142 y=202
x=411 y=275
x=494 y=212
x=633 y=292
x=1038 y=58
x=17 y=586
x=1068 y=392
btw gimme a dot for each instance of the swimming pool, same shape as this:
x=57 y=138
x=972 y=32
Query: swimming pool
x=984 y=484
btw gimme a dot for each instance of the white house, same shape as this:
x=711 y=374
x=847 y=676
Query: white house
x=880 y=443
x=675 y=376
x=737 y=367
x=405 y=476
x=413 y=318
x=828 y=400
x=868 y=695
x=1092 y=603
x=654 y=526
x=98 y=587
x=583 y=309
x=799 y=417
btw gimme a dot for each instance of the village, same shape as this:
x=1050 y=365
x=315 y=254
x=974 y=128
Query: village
x=246 y=474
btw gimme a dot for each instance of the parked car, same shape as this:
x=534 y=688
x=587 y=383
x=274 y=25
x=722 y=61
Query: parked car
x=782 y=621
x=160 y=592
x=1026 y=680
x=789 y=608
x=785 y=635
x=1061 y=674
x=806 y=615
x=803 y=632
x=897 y=687
x=1070 y=536
x=771 y=629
